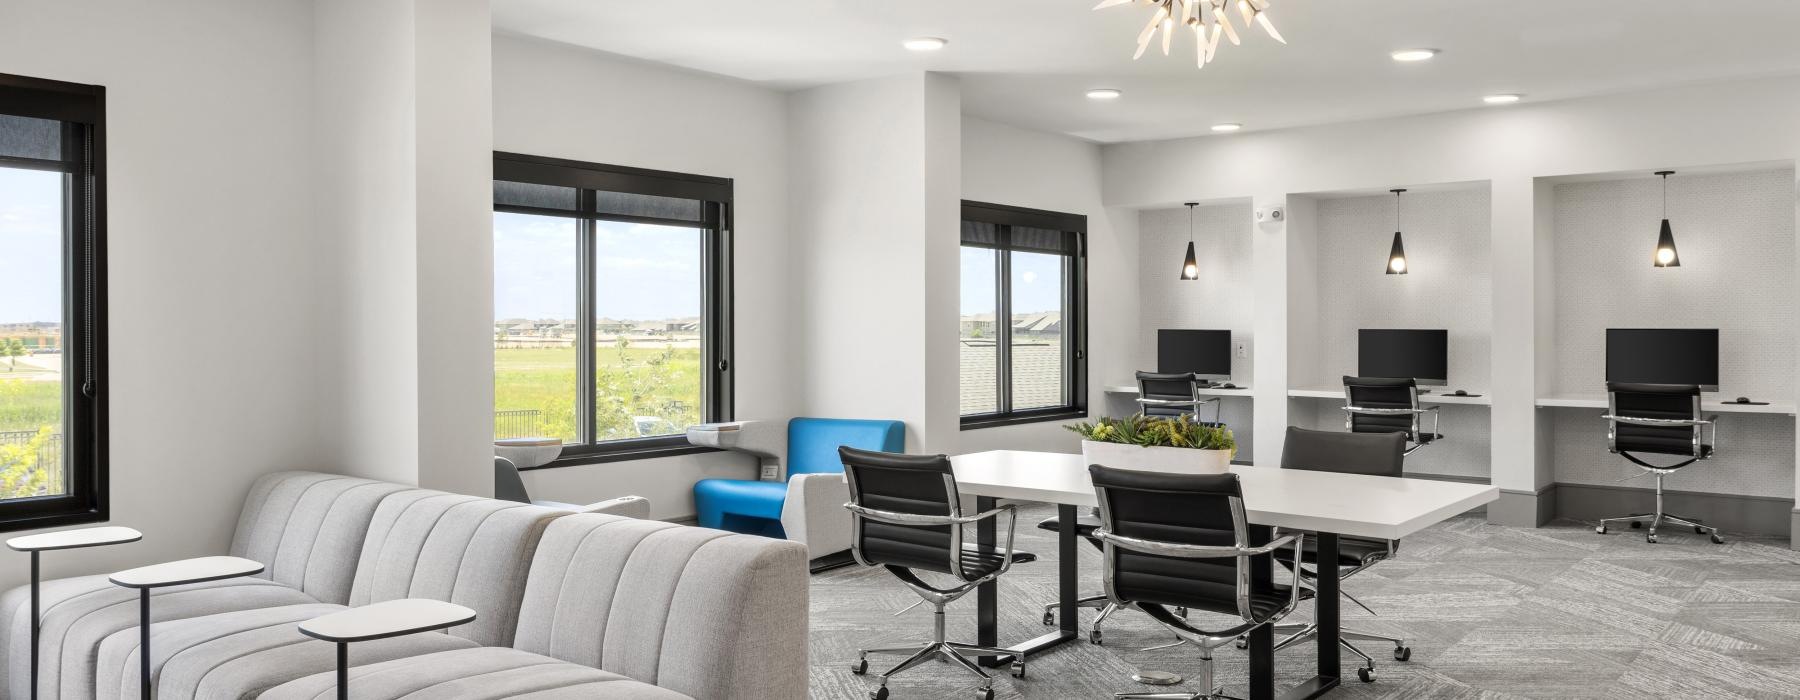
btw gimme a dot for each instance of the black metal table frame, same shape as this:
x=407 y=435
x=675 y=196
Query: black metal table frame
x=1262 y=642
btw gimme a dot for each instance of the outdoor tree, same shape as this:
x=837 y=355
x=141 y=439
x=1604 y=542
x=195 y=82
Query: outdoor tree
x=12 y=348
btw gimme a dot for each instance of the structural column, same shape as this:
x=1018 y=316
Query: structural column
x=1523 y=343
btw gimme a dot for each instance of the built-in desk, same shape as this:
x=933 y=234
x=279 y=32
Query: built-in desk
x=1708 y=404
x=1208 y=391
x=1337 y=392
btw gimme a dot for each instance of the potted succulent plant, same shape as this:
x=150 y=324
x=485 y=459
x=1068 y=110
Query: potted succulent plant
x=1180 y=444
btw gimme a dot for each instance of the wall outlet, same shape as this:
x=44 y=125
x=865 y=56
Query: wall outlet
x=771 y=471
x=1242 y=349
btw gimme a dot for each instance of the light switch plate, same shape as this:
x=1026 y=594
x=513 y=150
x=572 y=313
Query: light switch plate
x=1243 y=349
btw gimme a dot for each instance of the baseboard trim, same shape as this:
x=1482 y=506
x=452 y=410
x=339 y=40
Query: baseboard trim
x=1759 y=515
x=1459 y=478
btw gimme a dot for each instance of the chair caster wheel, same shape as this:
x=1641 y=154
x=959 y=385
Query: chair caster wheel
x=1049 y=619
x=860 y=667
x=1637 y=525
x=984 y=694
x=1699 y=530
x=1181 y=613
x=879 y=694
x=1718 y=540
x=1365 y=674
x=1018 y=670
x=1402 y=653
x=1651 y=538
x=1243 y=643
x=1600 y=530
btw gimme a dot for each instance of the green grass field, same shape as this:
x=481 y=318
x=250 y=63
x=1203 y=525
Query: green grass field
x=630 y=382
x=27 y=405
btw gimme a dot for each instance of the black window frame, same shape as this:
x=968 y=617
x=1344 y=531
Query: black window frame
x=1075 y=375
x=82 y=110
x=717 y=401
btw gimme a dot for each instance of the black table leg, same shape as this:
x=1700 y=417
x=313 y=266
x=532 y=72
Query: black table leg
x=987 y=596
x=37 y=623
x=1262 y=663
x=144 y=643
x=1067 y=591
x=343 y=670
x=1067 y=567
x=1326 y=607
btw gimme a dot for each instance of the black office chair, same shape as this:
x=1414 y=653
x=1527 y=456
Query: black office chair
x=1175 y=394
x=1385 y=405
x=906 y=515
x=1659 y=419
x=1376 y=454
x=1181 y=540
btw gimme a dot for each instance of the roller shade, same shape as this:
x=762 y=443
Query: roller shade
x=552 y=186
x=1028 y=230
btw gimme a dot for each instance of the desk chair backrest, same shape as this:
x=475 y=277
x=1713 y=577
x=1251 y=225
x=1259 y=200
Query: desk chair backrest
x=1670 y=402
x=1168 y=394
x=813 y=442
x=905 y=485
x=1382 y=393
x=1377 y=454
x=1182 y=509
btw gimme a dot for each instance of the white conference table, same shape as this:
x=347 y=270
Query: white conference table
x=1329 y=504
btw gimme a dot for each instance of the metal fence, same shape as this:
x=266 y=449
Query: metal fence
x=49 y=457
x=518 y=424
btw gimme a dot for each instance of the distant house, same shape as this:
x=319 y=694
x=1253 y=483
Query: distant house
x=1038 y=324
x=978 y=325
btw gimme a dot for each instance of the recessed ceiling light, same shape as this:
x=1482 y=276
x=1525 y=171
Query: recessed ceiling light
x=1103 y=94
x=1505 y=99
x=1412 y=55
x=1227 y=127
x=925 y=43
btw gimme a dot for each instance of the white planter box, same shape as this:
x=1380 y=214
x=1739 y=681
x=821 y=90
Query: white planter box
x=1170 y=460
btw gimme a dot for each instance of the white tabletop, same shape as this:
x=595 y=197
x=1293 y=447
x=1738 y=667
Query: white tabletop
x=391 y=618
x=1709 y=403
x=1435 y=396
x=74 y=539
x=195 y=570
x=1346 y=504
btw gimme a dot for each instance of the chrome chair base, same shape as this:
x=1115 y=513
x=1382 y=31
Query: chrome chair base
x=1659 y=517
x=937 y=648
x=1106 y=608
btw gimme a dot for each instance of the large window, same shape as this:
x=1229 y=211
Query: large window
x=612 y=311
x=1023 y=343
x=52 y=293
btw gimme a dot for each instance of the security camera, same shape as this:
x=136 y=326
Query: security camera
x=1271 y=214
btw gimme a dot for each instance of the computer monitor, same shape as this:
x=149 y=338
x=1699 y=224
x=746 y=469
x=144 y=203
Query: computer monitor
x=1205 y=353
x=1663 y=356
x=1422 y=355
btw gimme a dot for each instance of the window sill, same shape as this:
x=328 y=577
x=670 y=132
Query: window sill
x=624 y=455
x=1043 y=416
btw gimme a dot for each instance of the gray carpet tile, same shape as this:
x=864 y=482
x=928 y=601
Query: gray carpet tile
x=1491 y=612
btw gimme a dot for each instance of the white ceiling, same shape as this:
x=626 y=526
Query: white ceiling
x=1028 y=62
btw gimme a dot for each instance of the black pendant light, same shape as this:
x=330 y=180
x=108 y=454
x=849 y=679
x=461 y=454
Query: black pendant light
x=1396 y=262
x=1190 y=267
x=1665 y=241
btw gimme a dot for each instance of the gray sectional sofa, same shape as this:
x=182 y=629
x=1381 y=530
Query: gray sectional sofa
x=568 y=605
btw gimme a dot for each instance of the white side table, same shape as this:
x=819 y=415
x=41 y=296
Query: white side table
x=174 y=573
x=51 y=541
x=393 y=618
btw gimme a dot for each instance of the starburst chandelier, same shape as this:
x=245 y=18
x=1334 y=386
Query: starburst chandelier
x=1209 y=20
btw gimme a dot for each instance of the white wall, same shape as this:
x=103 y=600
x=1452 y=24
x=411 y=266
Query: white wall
x=566 y=102
x=1737 y=122
x=1004 y=164
x=210 y=220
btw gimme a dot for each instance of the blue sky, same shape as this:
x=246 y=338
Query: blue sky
x=646 y=272
x=30 y=246
x=1036 y=282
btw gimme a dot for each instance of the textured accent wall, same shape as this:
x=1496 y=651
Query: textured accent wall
x=1221 y=298
x=1735 y=232
x=1447 y=287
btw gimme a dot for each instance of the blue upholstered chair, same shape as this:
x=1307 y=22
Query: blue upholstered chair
x=809 y=507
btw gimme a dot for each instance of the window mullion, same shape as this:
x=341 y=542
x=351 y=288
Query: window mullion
x=1003 y=324
x=585 y=336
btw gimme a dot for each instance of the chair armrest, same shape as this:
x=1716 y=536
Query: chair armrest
x=813 y=513
x=1389 y=411
x=185 y=571
x=1193 y=551
x=393 y=618
x=888 y=516
x=74 y=539
x=1660 y=422
x=1175 y=402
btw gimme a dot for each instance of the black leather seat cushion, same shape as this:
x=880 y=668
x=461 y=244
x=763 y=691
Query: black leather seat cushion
x=1352 y=551
x=1262 y=605
x=1085 y=525
x=977 y=562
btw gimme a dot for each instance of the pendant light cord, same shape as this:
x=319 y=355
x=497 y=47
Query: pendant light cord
x=1191 y=223
x=1665 y=177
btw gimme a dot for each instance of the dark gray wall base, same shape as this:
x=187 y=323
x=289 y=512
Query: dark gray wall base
x=1794 y=532
x=1448 y=477
x=1760 y=515
x=1523 y=508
